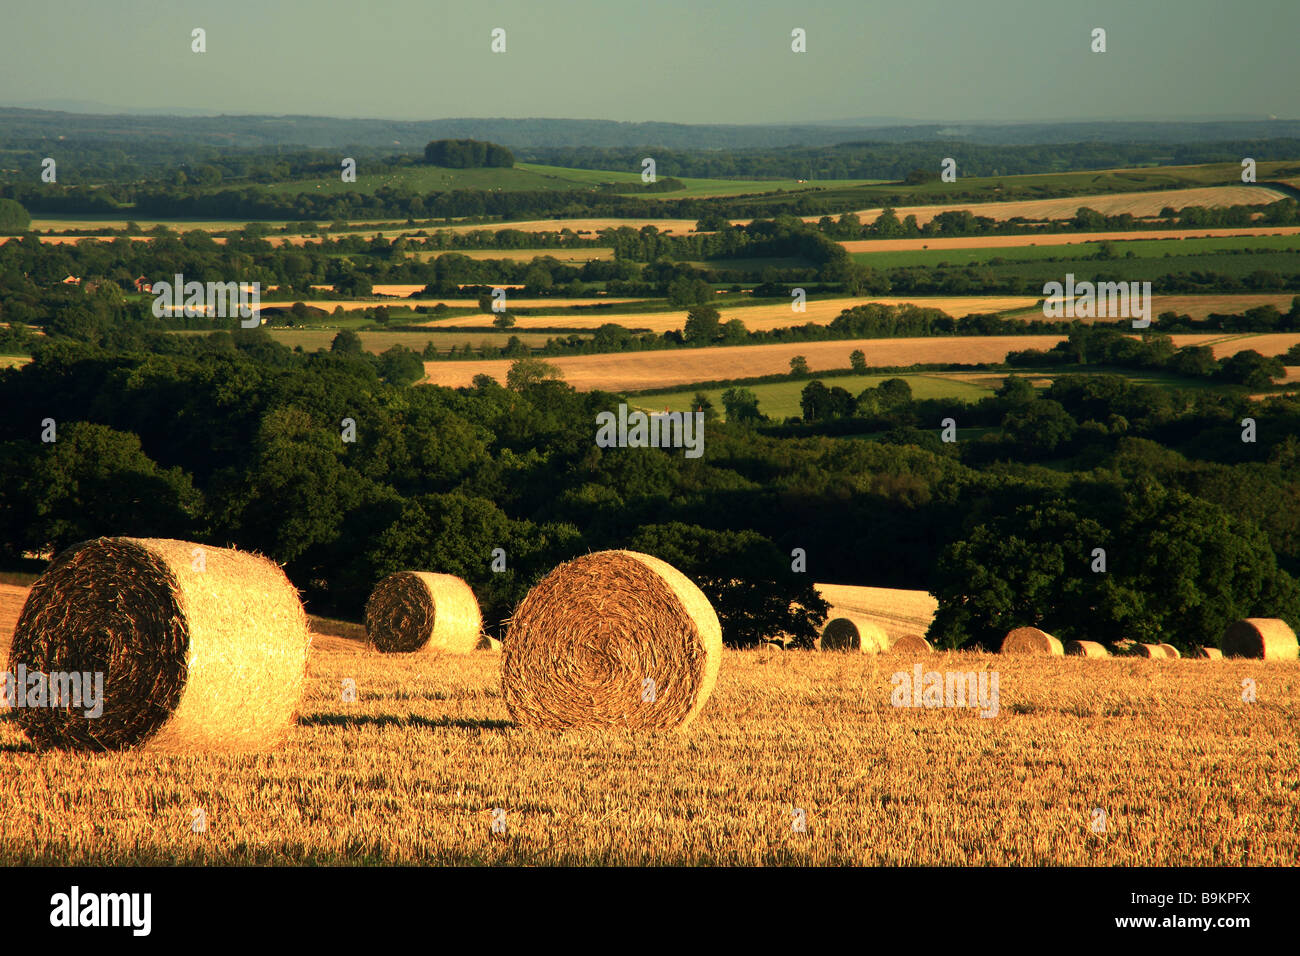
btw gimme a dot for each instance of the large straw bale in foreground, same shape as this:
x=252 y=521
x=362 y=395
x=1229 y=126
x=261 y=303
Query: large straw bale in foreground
x=1268 y=638
x=201 y=648
x=1030 y=640
x=1086 y=649
x=852 y=633
x=615 y=638
x=422 y=611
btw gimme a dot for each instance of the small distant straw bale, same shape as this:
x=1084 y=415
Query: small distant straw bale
x=1153 y=651
x=1207 y=653
x=852 y=633
x=1031 y=640
x=422 y=611
x=1086 y=649
x=910 y=644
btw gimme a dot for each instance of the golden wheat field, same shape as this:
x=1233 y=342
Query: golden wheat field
x=762 y=318
x=413 y=770
x=630 y=371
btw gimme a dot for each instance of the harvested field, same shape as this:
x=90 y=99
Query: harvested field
x=898 y=611
x=630 y=371
x=758 y=318
x=937 y=243
x=12 y=597
x=411 y=771
x=1140 y=204
x=1265 y=343
x=1202 y=306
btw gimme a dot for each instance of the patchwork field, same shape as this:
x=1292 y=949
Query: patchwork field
x=411 y=772
x=573 y=257
x=1139 y=204
x=1170 y=255
x=757 y=318
x=376 y=342
x=630 y=371
x=352 y=305
x=1053 y=239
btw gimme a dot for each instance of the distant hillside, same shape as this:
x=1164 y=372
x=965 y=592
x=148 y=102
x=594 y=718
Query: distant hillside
x=261 y=131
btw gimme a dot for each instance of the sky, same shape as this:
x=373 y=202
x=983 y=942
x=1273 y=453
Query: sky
x=686 y=61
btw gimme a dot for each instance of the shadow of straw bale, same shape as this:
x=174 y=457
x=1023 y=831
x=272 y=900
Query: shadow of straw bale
x=393 y=720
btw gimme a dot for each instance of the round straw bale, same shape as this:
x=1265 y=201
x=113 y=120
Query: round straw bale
x=1030 y=640
x=1170 y=651
x=486 y=643
x=1086 y=649
x=1154 y=651
x=850 y=633
x=1264 y=637
x=1211 y=653
x=421 y=611
x=200 y=648
x=615 y=638
x=771 y=646
x=910 y=644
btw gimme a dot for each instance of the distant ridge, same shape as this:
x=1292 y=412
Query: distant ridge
x=254 y=131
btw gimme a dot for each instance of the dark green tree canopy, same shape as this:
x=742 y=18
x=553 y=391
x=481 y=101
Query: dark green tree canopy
x=467 y=154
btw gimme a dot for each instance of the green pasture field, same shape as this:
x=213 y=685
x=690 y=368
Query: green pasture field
x=1160 y=249
x=781 y=399
x=379 y=341
x=1141 y=269
x=1045 y=185
x=694 y=187
x=530 y=177
x=567 y=256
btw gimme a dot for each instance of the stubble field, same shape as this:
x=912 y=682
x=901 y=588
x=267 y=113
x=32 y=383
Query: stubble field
x=412 y=772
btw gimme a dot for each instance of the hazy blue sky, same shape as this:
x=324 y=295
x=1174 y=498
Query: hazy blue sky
x=674 y=60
